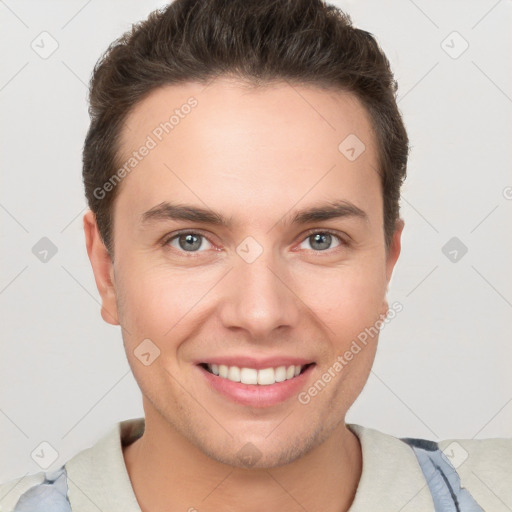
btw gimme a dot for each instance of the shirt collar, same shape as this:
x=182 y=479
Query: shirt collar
x=98 y=478
x=391 y=477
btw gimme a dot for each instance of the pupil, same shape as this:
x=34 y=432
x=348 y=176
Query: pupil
x=189 y=242
x=324 y=239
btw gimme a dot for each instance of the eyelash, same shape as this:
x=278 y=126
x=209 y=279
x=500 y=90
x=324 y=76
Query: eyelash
x=343 y=242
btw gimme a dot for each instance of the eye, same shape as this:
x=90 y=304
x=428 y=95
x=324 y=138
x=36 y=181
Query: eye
x=192 y=242
x=322 y=240
x=187 y=241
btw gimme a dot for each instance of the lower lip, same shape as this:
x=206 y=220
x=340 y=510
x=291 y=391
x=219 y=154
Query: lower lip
x=257 y=395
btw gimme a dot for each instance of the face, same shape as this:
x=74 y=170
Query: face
x=247 y=241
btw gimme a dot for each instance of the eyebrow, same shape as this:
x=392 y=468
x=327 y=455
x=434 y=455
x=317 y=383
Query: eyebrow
x=166 y=211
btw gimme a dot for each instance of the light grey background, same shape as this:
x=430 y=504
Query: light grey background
x=443 y=365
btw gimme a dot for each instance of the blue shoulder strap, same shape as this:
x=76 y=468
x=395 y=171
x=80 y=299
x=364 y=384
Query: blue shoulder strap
x=442 y=478
x=48 y=496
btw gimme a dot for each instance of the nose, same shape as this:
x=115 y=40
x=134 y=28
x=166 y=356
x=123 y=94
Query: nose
x=259 y=298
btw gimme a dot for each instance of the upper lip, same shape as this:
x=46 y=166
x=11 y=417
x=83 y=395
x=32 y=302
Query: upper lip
x=256 y=363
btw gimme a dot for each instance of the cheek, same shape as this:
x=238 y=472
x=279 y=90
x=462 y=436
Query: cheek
x=157 y=302
x=350 y=308
x=153 y=307
x=347 y=298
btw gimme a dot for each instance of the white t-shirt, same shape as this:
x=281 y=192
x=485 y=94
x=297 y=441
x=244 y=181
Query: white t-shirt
x=392 y=478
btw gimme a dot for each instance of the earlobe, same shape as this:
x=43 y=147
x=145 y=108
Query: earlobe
x=102 y=268
x=385 y=308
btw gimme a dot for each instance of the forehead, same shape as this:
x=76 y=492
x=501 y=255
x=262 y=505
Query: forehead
x=260 y=146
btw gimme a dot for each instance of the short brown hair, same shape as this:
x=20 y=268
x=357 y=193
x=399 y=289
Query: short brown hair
x=260 y=41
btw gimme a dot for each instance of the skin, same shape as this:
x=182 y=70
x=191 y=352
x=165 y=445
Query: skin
x=257 y=156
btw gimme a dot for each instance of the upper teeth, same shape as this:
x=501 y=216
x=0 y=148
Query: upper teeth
x=264 y=377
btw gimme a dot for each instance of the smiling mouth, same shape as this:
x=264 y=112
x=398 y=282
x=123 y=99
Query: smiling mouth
x=253 y=376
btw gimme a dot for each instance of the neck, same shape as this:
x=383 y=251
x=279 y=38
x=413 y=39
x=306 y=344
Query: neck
x=168 y=472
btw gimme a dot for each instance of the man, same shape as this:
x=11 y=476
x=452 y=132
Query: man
x=243 y=169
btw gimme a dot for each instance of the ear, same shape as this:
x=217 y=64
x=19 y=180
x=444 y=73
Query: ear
x=102 y=268
x=392 y=255
x=394 y=249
